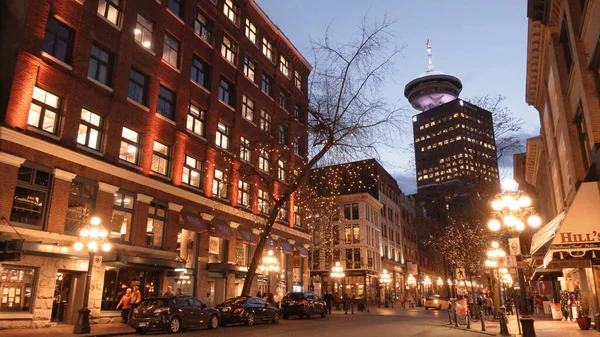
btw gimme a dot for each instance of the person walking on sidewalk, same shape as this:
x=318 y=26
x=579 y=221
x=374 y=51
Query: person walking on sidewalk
x=169 y=292
x=328 y=299
x=136 y=299
x=125 y=304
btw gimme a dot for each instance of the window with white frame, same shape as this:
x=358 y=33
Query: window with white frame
x=203 y=27
x=282 y=173
x=229 y=49
x=249 y=68
x=267 y=48
x=230 y=9
x=220 y=187
x=244 y=193
x=265 y=121
x=284 y=66
x=171 y=50
x=245 y=150
x=122 y=216
x=284 y=212
x=263 y=160
x=160 y=158
x=250 y=31
x=297 y=216
x=144 y=31
x=192 y=172
x=110 y=9
x=44 y=111
x=247 y=108
x=263 y=201
x=90 y=130
x=155 y=226
x=130 y=146
x=222 y=136
x=195 y=120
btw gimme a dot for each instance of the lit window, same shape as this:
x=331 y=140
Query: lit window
x=245 y=150
x=263 y=160
x=192 y=172
x=222 y=136
x=220 y=187
x=137 y=87
x=250 y=31
x=265 y=121
x=297 y=216
x=281 y=170
x=263 y=201
x=166 y=102
x=200 y=72
x=100 y=65
x=160 y=158
x=284 y=212
x=267 y=49
x=249 y=68
x=244 y=194
x=122 y=216
x=176 y=7
x=229 y=49
x=203 y=27
x=155 y=226
x=90 y=130
x=110 y=9
x=171 y=51
x=267 y=83
x=284 y=66
x=231 y=11
x=44 y=111
x=130 y=146
x=58 y=40
x=226 y=91
x=247 y=108
x=195 y=120
x=143 y=32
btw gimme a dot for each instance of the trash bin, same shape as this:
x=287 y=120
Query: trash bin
x=556 y=312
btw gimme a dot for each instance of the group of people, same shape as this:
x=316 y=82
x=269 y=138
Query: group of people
x=407 y=301
x=128 y=302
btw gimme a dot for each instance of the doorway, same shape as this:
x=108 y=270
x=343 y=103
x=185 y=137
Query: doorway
x=68 y=296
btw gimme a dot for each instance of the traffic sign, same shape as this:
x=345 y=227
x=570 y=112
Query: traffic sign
x=460 y=274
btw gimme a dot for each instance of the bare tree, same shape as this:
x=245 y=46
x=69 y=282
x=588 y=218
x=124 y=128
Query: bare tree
x=347 y=116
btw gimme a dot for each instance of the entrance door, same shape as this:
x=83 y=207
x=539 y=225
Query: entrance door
x=62 y=291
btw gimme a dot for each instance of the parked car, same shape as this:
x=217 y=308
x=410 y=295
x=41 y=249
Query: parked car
x=436 y=302
x=247 y=310
x=303 y=304
x=173 y=314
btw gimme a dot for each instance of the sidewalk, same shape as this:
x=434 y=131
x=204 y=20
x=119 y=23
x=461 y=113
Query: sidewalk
x=62 y=330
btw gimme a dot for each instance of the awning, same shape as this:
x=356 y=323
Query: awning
x=546 y=233
x=286 y=246
x=246 y=235
x=221 y=229
x=194 y=223
x=301 y=250
x=150 y=261
x=579 y=235
x=543 y=274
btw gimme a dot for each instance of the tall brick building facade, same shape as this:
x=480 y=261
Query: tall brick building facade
x=173 y=122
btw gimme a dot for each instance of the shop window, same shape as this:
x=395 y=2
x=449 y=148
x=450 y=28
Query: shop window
x=31 y=197
x=216 y=250
x=185 y=247
x=117 y=280
x=16 y=288
x=155 y=226
x=82 y=200
x=122 y=216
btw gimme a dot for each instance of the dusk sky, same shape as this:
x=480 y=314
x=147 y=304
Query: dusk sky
x=484 y=43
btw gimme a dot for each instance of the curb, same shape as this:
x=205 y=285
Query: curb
x=471 y=330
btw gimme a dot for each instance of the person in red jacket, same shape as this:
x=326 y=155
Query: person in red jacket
x=125 y=304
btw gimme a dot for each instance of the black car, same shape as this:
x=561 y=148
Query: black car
x=173 y=314
x=302 y=304
x=247 y=310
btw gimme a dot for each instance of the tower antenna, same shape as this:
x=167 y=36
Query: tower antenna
x=429 y=57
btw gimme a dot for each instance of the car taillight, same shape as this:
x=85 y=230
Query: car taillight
x=238 y=310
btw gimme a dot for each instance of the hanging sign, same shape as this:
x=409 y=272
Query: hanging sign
x=514 y=246
x=460 y=274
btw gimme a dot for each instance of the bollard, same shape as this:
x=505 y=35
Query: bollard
x=468 y=319
x=503 y=326
x=482 y=320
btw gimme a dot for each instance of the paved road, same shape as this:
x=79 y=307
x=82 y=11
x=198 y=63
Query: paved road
x=382 y=323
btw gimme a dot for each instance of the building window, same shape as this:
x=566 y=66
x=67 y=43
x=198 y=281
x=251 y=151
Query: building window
x=166 y=102
x=44 y=111
x=229 y=49
x=203 y=27
x=226 y=92
x=263 y=201
x=297 y=112
x=200 y=72
x=122 y=216
x=267 y=49
x=283 y=99
x=230 y=10
x=283 y=135
x=160 y=158
x=31 y=197
x=265 y=121
x=284 y=212
x=82 y=199
x=282 y=170
x=565 y=42
x=355 y=233
x=250 y=31
x=222 y=136
x=171 y=50
x=249 y=68
x=263 y=160
x=298 y=80
x=297 y=145
x=137 y=87
x=244 y=194
x=347 y=234
x=17 y=286
x=351 y=211
x=297 y=216
x=100 y=67
x=58 y=40
x=155 y=226
x=130 y=146
x=192 y=172
x=245 y=150
x=267 y=83
x=247 y=108
x=90 y=130
x=284 y=66
x=220 y=187
x=143 y=32
x=117 y=279
x=176 y=7
x=195 y=120
x=110 y=9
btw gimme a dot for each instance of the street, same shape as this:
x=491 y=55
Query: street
x=380 y=322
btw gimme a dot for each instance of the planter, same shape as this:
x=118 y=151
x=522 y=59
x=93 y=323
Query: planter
x=584 y=323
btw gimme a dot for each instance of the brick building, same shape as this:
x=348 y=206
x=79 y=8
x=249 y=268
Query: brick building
x=172 y=121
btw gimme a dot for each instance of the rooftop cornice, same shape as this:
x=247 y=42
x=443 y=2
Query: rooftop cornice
x=535 y=48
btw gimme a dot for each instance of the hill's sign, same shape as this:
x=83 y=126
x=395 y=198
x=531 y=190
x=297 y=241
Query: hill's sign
x=571 y=240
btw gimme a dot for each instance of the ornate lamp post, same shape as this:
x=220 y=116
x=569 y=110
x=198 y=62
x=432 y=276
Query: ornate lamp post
x=385 y=279
x=337 y=273
x=439 y=283
x=512 y=208
x=426 y=285
x=269 y=264
x=92 y=237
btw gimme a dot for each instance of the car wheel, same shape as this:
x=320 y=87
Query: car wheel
x=174 y=325
x=213 y=323
x=324 y=313
x=275 y=318
x=140 y=331
x=250 y=319
x=310 y=313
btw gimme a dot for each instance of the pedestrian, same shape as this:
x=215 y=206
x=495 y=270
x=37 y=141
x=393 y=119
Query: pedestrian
x=271 y=299
x=136 y=299
x=402 y=300
x=179 y=293
x=345 y=303
x=125 y=304
x=328 y=299
x=259 y=294
x=490 y=305
x=169 y=292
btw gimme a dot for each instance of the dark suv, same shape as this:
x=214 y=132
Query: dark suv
x=173 y=314
x=302 y=304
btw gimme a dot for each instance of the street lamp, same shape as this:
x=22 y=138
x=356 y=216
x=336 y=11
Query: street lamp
x=337 y=273
x=269 y=264
x=427 y=283
x=92 y=237
x=440 y=283
x=512 y=208
x=385 y=279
